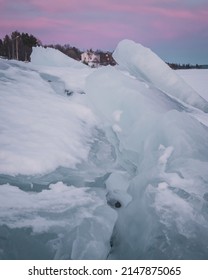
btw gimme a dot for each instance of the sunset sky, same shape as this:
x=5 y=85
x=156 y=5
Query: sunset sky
x=177 y=30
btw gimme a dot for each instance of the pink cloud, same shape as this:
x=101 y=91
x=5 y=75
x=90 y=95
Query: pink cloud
x=62 y=5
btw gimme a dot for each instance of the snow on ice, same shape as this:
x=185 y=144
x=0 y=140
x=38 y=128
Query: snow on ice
x=108 y=163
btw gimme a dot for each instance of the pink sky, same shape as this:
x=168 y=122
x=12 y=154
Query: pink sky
x=177 y=30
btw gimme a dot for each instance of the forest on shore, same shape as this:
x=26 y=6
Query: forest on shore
x=19 y=46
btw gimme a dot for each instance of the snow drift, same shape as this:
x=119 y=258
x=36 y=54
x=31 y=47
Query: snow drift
x=53 y=57
x=40 y=130
x=117 y=173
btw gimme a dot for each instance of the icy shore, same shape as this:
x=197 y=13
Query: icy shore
x=109 y=163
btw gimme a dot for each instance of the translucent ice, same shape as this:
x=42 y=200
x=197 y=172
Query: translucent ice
x=146 y=65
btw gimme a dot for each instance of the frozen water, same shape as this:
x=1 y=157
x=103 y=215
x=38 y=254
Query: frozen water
x=62 y=211
x=120 y=172
x=168 y=148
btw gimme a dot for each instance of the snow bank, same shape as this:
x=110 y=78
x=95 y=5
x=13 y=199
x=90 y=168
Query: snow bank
x=147 y=66
x=53 y=57
x=40 y=130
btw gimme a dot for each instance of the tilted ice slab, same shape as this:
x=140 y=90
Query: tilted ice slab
x=162 y=150
x=146 y=65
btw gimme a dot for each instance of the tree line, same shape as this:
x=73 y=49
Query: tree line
x=177 y=66
x=18 y=46
x=67 y=49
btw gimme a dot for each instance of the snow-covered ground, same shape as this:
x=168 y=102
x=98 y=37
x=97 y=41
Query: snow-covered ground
x=108 y=163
